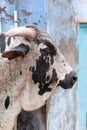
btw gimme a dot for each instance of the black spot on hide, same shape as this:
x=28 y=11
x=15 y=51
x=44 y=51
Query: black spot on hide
x=20 y=72
x=7 y=102
x=48 y=44
x=50 y=50
x=39 y=76
x=48 y=78
x=42 y=66
x=9 y=41
x=45 y=87
x=2 y=43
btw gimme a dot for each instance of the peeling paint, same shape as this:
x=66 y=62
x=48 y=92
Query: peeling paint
x=25 y=12
x=2 y=9
x=28 y=13
x=10 y=16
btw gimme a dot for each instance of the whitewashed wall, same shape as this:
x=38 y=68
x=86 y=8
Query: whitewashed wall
x=62 y=108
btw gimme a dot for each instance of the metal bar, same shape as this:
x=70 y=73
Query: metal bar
x=15 y=18
x=0 y=24
x=16 y=21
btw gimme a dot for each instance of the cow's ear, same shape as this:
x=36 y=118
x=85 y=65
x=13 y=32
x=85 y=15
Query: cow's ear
x=20 y=50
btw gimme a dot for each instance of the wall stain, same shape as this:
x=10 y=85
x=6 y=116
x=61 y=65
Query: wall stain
x=25 y=20
x=67 y=50
x=11 y=1
x=35 y=23
x=25 y=12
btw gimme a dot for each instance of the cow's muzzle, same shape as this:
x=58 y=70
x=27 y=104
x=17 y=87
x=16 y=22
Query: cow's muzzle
x=68 y=81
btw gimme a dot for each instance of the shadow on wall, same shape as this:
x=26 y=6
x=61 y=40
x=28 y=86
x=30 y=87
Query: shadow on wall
x=35 y=120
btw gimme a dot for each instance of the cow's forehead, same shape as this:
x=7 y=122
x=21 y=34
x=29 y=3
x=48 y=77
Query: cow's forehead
x=41 y=46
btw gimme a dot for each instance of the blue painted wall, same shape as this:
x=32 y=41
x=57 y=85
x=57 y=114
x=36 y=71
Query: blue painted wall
x=83 y=76
x=6 y=13
x=29 y=12
x=37 y=10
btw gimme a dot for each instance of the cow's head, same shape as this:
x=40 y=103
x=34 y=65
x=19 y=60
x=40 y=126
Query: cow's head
x=33 y=69
x=65 y=76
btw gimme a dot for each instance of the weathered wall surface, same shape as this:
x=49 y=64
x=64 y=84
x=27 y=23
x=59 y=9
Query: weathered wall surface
x=29 y=12
x=61 y=24
x=82 y=11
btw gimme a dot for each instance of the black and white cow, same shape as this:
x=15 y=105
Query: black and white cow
x=31 y=67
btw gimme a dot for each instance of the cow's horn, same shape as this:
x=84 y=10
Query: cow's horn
x=29 y=33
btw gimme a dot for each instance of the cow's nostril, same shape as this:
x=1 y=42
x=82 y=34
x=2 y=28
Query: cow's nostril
x=75 y=78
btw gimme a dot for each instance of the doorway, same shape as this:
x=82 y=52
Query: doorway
x=83 y=77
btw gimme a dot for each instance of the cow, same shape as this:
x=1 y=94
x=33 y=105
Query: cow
x=31 y=68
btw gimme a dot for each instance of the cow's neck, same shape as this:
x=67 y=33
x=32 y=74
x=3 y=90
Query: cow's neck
x=11 y=75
